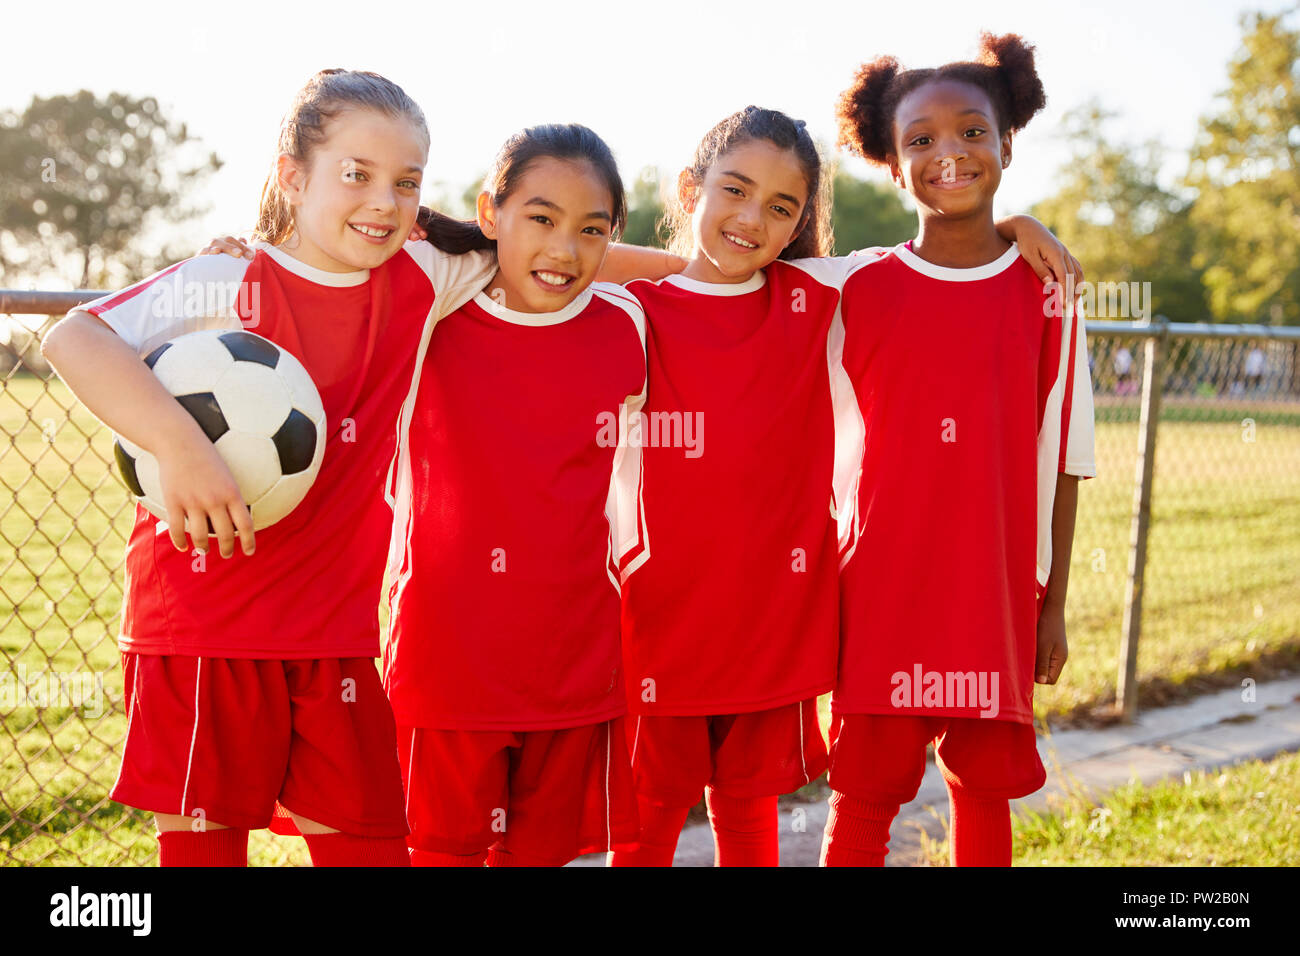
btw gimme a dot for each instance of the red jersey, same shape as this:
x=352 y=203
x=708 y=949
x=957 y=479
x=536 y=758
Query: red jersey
x=505 y=603
x=974 y=394
x=312 y=588
x=737 y=609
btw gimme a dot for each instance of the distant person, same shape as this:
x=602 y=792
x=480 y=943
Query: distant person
x=1123 y=364
x=1255 y=364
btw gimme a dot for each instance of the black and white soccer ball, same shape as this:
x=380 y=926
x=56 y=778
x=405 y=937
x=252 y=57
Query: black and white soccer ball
x=258 y=406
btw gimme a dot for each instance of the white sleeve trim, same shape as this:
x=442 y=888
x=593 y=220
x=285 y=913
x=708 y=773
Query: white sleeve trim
x=624 y=504
x=471 y=273
x=197 y=294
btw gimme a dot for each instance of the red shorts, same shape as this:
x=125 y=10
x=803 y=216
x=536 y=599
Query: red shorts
x=759 y=754
x=228 y=737
x=544 y=794
x=881 y=757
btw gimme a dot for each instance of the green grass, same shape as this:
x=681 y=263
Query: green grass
x=1222 y=601
x=1248 y=815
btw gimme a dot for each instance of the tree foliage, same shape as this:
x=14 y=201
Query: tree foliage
x=645 y=212
x=88 y=180
x=1246 y=170
x=868 y=213
x=1115 y=217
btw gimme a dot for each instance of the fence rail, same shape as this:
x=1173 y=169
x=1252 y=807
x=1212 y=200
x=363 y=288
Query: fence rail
x=1198 y=442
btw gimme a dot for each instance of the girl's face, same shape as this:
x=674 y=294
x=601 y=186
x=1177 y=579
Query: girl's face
x=745 y=212
x=949 y=154
x=355 y=203
x=552 y=234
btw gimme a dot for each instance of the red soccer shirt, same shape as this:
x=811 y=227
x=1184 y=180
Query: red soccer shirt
x=736 y=610
x=312 y=588
x=974 y=396
x=505 y=604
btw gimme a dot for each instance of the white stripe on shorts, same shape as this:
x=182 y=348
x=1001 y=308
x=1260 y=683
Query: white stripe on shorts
x=609 y=817
x=194 y=734
x=802 y=756
x=130 y=716
x=410 y=772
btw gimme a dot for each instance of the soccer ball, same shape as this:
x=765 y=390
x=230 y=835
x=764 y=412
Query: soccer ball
x=255 y=402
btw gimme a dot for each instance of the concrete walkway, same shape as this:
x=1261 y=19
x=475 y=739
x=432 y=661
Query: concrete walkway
x=1216 y=730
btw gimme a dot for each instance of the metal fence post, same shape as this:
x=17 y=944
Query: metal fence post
x=1152 y=387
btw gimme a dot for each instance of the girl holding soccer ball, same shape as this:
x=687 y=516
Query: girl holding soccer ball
x=252 y=680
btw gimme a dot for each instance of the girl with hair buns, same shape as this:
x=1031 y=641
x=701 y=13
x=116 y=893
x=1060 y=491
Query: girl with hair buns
x=252 y=678
x=730 y=630
x=974 y=391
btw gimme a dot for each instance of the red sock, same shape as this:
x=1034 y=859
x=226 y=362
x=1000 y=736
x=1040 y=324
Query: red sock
x=224 y=847
x=981 y=830
x=857 y=831
x=431 y=858
x=499 y=857
x=344 y=849
x=744 y=829
x=660 y=828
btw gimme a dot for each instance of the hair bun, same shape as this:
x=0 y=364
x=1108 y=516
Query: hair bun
x=865 y=126
x=1013 y=59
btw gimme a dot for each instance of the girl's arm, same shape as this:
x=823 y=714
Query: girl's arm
x=1042 y=250
x=110 y=379
x=625 y=263
x=1052 y=648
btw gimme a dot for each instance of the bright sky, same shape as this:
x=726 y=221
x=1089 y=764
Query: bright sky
x=651 y=78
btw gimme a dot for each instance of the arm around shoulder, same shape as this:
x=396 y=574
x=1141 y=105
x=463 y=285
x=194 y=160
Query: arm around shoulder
x=625 y=263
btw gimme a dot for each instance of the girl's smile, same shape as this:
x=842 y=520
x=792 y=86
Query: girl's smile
x=375 y=233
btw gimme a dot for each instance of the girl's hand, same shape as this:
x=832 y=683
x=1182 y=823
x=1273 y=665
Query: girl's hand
x=1052 y=649
x=201 y=494
x=239 y=248
x=418 y=234
x=1044 y=252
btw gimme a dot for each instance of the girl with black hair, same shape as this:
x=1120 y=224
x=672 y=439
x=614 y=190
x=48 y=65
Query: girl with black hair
x=974 y=392
x=515 y=481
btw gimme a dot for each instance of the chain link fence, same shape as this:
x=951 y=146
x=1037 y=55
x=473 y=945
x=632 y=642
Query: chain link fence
x=1190 y=535
x=1215 y=595
x=64 y=521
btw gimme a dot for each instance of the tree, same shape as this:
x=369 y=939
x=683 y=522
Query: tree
x=1246 y=168
x=645 y=212
x=867 y=213
x=1120 y=223
x=88 y=179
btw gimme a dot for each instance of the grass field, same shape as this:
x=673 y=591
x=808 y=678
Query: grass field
x=1222 y=594
x=1247 y=815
